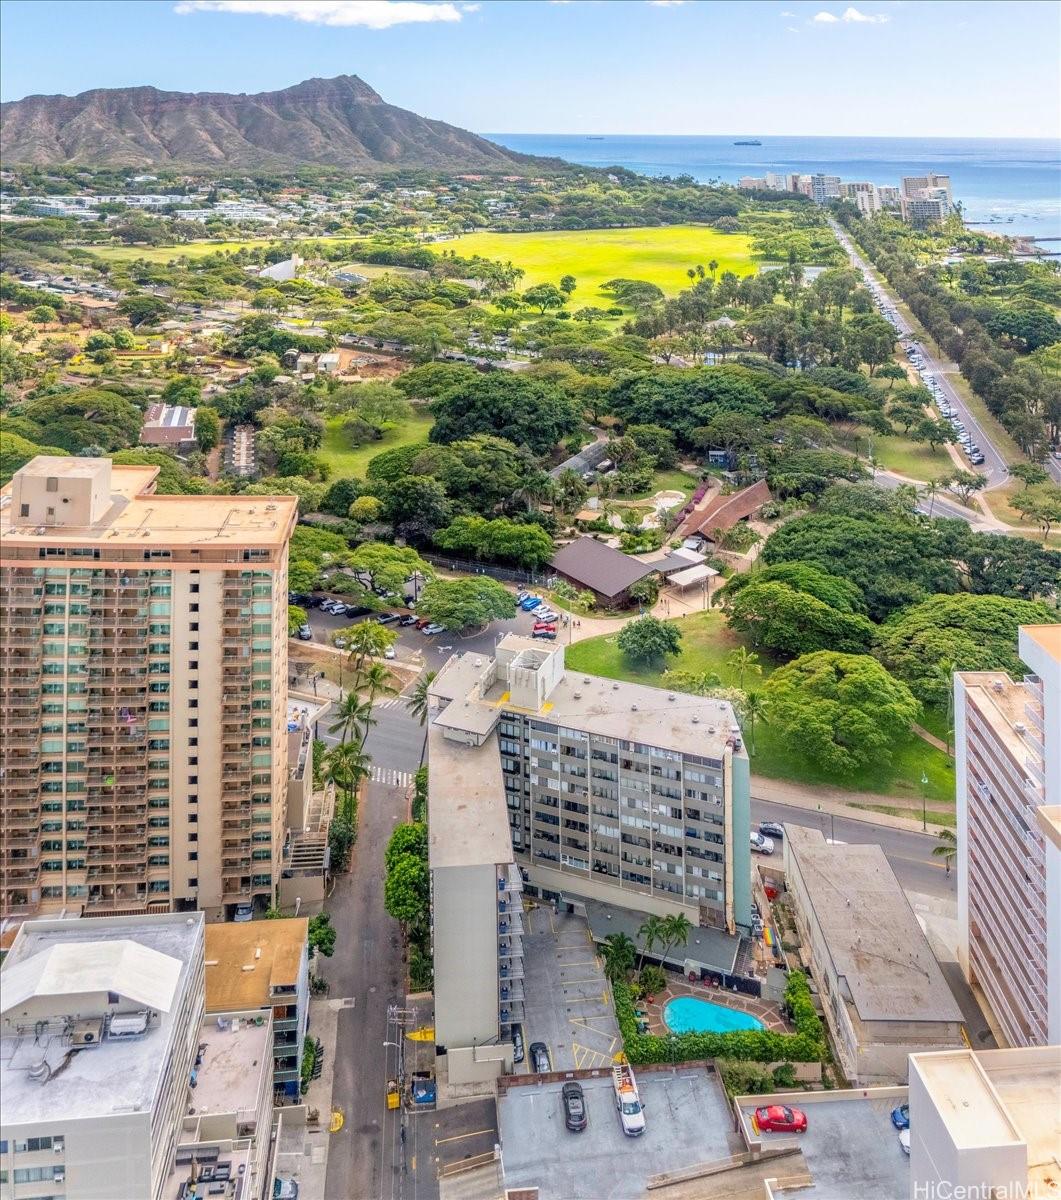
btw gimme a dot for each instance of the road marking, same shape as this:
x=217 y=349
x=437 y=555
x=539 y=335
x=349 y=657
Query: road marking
x=458 y=1137
x=391 y=777
x=586 y=1058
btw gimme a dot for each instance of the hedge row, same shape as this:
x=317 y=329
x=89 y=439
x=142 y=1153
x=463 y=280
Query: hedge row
x=807 y=1044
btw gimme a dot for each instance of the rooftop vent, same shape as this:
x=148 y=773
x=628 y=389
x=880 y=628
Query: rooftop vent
x=696 y=719
x=39 y=1071
x=1020 y=727
x=710 y=729
x=672 y=696
x=615 y=687
x=585 y=679
x=578 y=695
x=997 y=685
x=633 y=708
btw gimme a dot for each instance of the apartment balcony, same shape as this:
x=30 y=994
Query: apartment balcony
x=511 y=990
x=510 y=970
x=509 y=879
x=26 y=838
x=507 y=1013
x=510 y=947
x=26 y=876
x=509 y=923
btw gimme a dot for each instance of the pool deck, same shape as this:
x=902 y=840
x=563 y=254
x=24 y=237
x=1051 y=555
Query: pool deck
x=768 y=1013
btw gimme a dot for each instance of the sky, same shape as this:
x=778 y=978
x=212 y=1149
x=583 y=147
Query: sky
x=883 y=68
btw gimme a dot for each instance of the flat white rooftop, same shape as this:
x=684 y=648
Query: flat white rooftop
x=469 y=819
x=107 y=1078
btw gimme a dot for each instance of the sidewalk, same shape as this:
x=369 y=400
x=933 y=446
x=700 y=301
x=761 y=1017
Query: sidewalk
x=835 y=801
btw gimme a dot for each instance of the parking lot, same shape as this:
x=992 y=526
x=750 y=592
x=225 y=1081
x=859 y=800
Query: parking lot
x=412 y=646
x=850 y=1149
x=568 y=1005
x=687 y=1122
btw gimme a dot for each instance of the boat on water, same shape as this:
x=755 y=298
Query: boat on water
x=749 y=142
x=595 y=137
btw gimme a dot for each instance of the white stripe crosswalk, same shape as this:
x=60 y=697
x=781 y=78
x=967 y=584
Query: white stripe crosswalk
x=392 y=702
x=391 y=777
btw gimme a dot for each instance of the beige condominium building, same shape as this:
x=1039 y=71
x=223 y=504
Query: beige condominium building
x=1008 y=770
x=143 y=731
x=575 y=788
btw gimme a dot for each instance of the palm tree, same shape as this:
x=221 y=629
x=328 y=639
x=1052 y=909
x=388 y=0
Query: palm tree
x=346 y=766
x=756 y=707
x=947 y=848
x=932 y=489
x=619 y=953
x=676 y=930
x=419 y=706
x=353 y=719
x=692 y=273
x=377 y=679
x=743 y=661
x=651 y=934
x=712 y=266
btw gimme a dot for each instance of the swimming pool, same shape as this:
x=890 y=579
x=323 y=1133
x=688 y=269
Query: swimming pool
x=690 y=1014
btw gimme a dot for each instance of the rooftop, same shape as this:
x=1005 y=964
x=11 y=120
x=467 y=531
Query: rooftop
x=137 y=516
x=599 y=567
x=244 y=960
x=170 y=416
x=989 y=1098
x=469 y=820
x=873 y=938
x=1047 y=637
x=229 y=1076
x=109 y=1076
x=1000 y=701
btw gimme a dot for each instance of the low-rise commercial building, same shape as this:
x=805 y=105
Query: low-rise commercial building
x=573 y=787
x=882 y=991
x=1008 y=780
x=985 y=1123
x=255 y=967
x=168 y=425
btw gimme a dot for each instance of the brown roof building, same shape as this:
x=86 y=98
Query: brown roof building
x=607 y=573
x=724 y=512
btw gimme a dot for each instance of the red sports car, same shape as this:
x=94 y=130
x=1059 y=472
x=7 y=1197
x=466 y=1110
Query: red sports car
x=779 y=1118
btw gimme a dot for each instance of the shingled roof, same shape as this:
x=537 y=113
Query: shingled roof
x=725 y=511
x=596 y=566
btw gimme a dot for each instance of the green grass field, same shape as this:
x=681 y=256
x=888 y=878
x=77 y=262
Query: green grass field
x=707 y=641
x=345 y=461
x=658 y=255
x=913 y=459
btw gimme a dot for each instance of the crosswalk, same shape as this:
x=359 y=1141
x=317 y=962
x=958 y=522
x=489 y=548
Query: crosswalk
x=392 y=702
x=392 y=777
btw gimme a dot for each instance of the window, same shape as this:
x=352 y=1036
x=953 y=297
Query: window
x=52 y=485
x=24 y=510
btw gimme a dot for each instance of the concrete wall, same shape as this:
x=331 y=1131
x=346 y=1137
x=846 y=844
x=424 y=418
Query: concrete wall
x=573 y=886
x=464 y=906
x=739 y=866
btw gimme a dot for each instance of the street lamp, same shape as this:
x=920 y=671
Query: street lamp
x=924 y=803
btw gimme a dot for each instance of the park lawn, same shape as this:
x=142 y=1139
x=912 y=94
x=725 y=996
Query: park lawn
x=664 y=481
x=707 y=641
x=913 y=459
x=998 y=501
x=659 y=255
x=346 y=461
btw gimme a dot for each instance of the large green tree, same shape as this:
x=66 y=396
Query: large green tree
x=466 y=603
x=840 y=711
x=649 y=642
x=524 y=411
x=971 y=633
x=790 y=622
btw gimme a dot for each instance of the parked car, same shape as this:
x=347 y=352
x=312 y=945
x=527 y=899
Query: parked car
x=244 y=912
x=904 y=1141
x=779 y=1118
x=901 y=1116
x=422 y=622
x=387 y=618
x=540 y=1060
x=390 y=652
x=357 y=610
x=529 y=602
x=545 y=614
x=761 y=844
x=285 y=1189
x=305 y=634
x=548 y=634
x=432 y=628
x=574 y=1106
x=517 y=1043
x=407 y=620
x=545 y=625
x=772 y=829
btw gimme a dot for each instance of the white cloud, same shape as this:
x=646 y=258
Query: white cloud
x=371 y=14
x=850 y=16
x=784 y=13
x=792 y=29
x=861 y=18
x=470 y=8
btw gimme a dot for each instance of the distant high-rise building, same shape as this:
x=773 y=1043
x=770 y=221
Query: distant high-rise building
x=824 y=188
x=751 y=183
x=913 y=185
x=143 y=724
x=1008 y=769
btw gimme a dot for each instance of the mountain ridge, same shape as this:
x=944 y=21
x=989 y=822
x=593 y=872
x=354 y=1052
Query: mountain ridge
x=338 y=122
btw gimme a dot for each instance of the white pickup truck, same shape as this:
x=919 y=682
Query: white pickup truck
x=627 y=1101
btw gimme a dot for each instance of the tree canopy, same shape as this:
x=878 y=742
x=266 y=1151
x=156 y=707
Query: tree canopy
x=648 y=641
x=525 y=412
x=466 y=603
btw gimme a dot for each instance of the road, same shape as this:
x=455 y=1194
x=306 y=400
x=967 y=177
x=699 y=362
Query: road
x=365 y=1158
x=994 y=465
x=909 y=852
x=936 y=506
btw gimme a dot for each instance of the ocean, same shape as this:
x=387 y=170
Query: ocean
x=1010 y=186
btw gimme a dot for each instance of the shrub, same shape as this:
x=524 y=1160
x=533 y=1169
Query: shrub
x=807 y=1044
x=652 y=979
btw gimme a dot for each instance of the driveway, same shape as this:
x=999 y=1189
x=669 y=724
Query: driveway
x=568 y=1004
